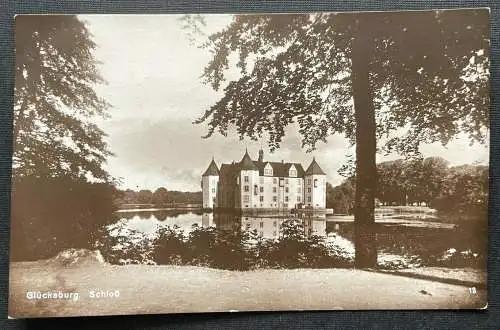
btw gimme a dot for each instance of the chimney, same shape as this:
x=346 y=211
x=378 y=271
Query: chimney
x=261 y=155
x=282 y=161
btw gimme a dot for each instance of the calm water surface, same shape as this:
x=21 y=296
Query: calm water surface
x=405 y=239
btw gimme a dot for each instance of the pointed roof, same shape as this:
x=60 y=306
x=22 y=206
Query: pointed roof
x=314 y=169
x=212 y=169
x=247 y=163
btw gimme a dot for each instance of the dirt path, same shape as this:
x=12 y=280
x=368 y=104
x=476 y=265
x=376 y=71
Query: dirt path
x=176 y=289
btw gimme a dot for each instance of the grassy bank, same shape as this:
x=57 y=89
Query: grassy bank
x=177 y=289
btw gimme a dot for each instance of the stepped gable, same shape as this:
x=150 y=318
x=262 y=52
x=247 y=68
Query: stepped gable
x=247 y=163
x=212 y=169
x=314 y=169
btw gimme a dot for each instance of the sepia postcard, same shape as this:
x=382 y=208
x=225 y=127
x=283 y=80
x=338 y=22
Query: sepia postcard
x=253 y=162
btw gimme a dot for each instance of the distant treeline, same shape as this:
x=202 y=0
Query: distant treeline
x=456 y=189
x=160 y=196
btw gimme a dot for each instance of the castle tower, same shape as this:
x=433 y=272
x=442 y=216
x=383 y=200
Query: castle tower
x=209 y=182
x=315 y=186
x=248 y=182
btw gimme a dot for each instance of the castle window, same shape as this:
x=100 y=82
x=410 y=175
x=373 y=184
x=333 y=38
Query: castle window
x=309 y=181
x=282 y=182
x=275 y=199
x=261 y=189
x=245 y=178
x=309 y=198
x=309 y=189
x=261 y=198
x=293 y=173
x=246 y=188
x=261 y=224
x=298 y=199
x=255 y=190
x=286 y=189
x=274 y=189
x=275 y=181
x=315 y=183
x=213 y=190
x=286 y=199
x=286 y=181
x=268 y=171
x=246 y=198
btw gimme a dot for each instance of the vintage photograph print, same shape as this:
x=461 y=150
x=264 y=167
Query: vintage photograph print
x=213 y=162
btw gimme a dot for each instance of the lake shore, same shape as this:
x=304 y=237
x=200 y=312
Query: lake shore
x=180 y=289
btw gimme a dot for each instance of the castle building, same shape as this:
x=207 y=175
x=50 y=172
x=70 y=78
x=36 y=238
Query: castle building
x=263 y=185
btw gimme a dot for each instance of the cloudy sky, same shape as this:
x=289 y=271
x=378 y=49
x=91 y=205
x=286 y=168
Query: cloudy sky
x=153 y=74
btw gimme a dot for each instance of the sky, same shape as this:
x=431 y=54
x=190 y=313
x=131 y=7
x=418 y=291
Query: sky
x=153 y=71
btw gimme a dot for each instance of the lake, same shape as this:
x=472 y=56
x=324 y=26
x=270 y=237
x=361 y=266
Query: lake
x=403 y=240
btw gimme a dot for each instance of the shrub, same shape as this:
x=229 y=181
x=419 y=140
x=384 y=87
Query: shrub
x=50 y=215
x=225 y=249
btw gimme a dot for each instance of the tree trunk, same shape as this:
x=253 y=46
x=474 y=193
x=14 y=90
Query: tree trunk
x=366 y=169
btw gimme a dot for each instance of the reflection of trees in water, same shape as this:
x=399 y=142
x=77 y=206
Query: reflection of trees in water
x=198 y=212
x=161 y=215
x=429 y=244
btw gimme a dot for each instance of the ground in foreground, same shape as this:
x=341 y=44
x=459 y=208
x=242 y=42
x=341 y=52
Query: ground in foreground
x=177 y=289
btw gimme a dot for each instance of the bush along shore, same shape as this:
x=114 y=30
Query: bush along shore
x=224 y=249
x=238 y=249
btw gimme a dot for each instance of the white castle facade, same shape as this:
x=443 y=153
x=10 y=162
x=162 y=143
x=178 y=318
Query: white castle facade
x=263 y=185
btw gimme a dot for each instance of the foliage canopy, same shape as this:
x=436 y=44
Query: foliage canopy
x=428 y=73
x=55 y=100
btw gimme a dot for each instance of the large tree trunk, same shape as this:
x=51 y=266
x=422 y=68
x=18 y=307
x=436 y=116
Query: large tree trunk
x=366 y=169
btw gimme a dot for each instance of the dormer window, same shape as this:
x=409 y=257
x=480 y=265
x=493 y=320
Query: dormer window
x=268 y=170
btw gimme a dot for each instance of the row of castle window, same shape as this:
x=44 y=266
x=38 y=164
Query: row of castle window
x=246 y=178
x=261 y=189
x=246 y=188
x=246 y=198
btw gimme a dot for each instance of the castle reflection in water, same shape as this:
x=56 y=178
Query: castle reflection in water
x=266 y=227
